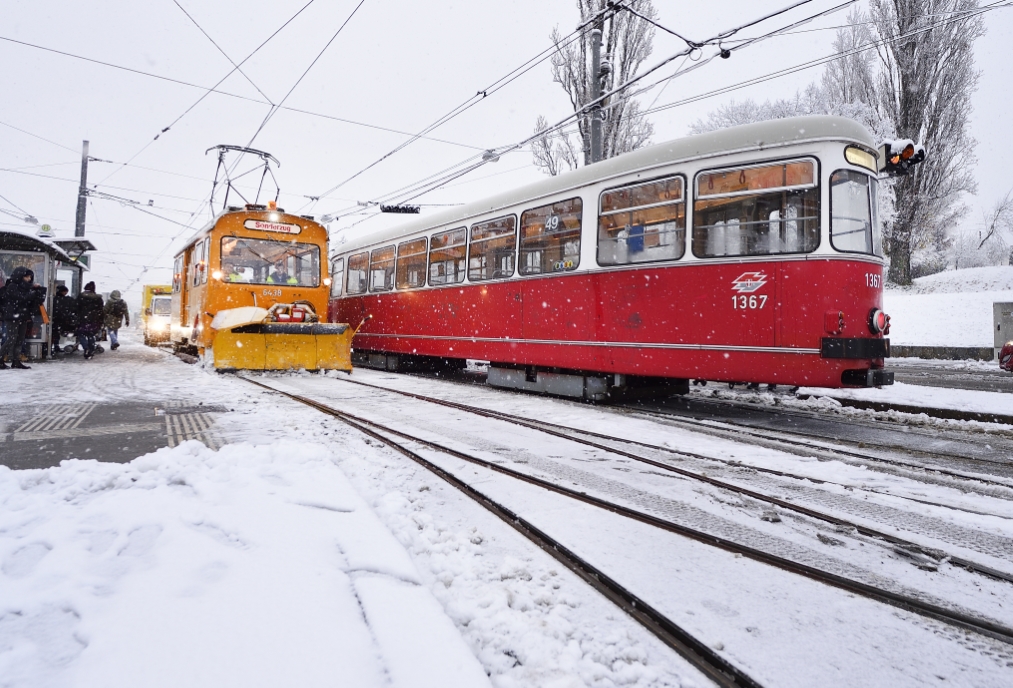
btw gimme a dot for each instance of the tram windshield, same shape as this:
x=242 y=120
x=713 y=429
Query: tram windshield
x=161 y=306
x=854 y=213
x=263 y=261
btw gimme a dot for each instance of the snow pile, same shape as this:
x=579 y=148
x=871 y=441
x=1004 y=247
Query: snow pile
x=952 y=308
x=250 y=566
x=993 y=278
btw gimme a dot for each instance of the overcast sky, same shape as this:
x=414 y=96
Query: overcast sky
x=397 y=66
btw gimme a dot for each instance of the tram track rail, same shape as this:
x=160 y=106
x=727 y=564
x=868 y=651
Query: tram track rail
x=776 y=438
x=381 y=432
x=693 y=416
x=697 y=653
x=902 y=545
x=956 y=474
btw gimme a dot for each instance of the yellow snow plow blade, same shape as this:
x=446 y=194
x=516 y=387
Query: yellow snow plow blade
x=244 y=341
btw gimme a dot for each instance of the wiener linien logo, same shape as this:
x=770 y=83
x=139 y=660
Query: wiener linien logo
x=749 y=282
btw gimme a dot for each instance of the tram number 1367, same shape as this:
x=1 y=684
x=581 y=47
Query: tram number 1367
x=748 y=303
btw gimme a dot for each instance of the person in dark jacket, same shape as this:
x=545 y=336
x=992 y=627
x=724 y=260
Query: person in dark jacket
x=90 y=314
x=64 y=316
x=115 y=311
x=19 y=304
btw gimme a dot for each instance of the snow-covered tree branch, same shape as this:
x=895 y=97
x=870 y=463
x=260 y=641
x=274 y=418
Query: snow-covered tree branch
x=627 y=43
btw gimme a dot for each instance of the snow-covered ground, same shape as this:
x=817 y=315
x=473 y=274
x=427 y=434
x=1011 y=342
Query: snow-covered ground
x=302 y=553
x=928 y=397
x=250 y=566
x=952 y=308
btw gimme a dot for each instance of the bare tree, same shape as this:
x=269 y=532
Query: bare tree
x=847 y=89
x=627 y=43
x=990 y=245
x=926 y=79
x=999 y=220
x=915 y=83
x=552 y=149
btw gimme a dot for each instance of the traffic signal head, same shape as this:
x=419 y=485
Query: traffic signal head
x=897 y=157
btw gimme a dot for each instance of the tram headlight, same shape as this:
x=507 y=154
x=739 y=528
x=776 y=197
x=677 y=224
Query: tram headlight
x=217 y=274
x=327 y=281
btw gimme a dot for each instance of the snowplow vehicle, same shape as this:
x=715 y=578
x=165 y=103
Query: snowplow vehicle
x=248 y=292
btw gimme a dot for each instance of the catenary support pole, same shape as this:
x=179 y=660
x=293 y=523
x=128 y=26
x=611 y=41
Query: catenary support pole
x=595 y=77
x=82 y=192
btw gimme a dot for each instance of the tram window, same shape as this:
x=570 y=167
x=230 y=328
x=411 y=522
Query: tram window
x=358 y=266
x=266 y=261
x=206 y=252
x=550 y=238
x=337 y=275
x=411 y=264
x=491 y=253
x=757 y=210
x=642 y=223
x=198 y=262
x=177 y=275
x=854 y=217
x=381 y=269
x=448 y=254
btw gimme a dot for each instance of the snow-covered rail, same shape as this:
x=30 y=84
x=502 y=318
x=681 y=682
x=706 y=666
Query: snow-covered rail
x=793 y=442
x=699 y=654
x=930 y=556
x=911 y=603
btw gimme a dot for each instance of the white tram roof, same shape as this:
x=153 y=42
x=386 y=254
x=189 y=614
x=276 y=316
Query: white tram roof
x=744 y=138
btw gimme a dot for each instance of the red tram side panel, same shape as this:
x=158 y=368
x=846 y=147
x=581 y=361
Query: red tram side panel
x=760 y=322
x=757 y=259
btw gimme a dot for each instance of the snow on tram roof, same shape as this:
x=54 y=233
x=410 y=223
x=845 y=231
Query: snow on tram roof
x=747 y=137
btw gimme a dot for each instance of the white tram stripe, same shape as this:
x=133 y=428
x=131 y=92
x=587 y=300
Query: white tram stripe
x=623 y=345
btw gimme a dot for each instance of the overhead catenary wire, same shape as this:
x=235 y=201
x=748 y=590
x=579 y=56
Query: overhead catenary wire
x=274 y=108
x=422 y=189
x=24 y=131
x=479 y=96
x=826 y=59
x=16 y=206
x=214 y=89
x=236 y=67
x=207 y=92
x=727 y=51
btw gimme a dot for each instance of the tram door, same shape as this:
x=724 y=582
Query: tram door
x=181 y=284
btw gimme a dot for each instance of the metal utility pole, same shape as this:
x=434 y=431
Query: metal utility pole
x=595 y=95
x=82 y=192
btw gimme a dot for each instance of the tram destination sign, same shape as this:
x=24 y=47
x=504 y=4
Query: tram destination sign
x=262 y=226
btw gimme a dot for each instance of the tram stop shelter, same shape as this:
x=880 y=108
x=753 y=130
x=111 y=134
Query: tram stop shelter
x=54 y=262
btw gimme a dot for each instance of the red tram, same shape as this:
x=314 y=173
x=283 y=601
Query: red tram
x=751 y=254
